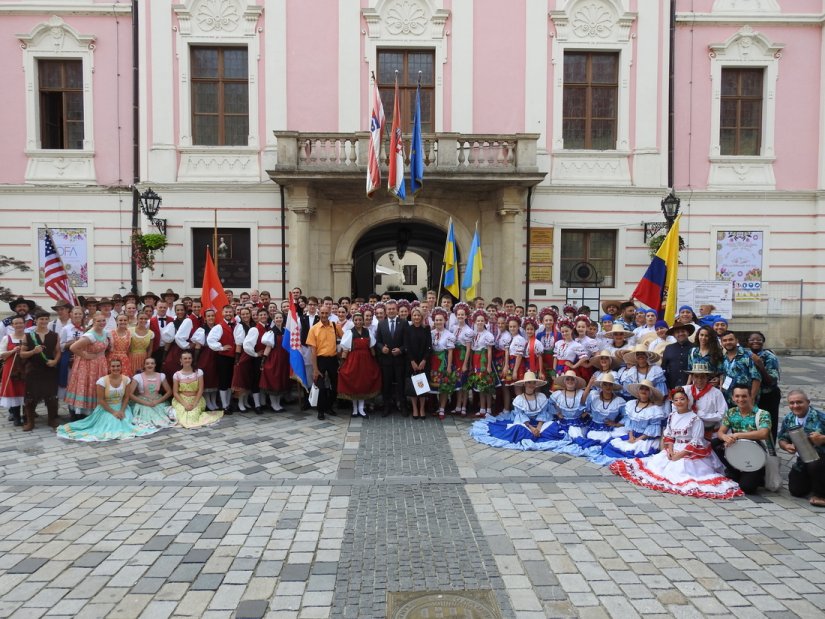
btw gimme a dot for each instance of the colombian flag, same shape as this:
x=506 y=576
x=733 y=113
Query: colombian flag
x=657 y=289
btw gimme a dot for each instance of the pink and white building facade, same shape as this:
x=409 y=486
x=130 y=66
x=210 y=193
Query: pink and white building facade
x=545 y=121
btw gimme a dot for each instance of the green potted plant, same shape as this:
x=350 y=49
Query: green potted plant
x=144 y=247
x=656 y=242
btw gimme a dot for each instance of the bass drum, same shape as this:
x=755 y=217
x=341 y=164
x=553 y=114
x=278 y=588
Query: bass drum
x=746 y=455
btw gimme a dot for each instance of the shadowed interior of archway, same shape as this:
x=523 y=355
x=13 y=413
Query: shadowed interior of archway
x=423 y=239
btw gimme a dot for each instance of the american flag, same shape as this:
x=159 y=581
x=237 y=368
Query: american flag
x=57 y=283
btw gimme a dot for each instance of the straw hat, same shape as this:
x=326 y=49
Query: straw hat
x=700 y=368
x=689 y=327
x=617 y=303
x=594 y=360
x=630 y=356
x=608 y=381
x=530 y=377
x=618 y=328
x=559 y=380
x=647 y=338
x=656 y=396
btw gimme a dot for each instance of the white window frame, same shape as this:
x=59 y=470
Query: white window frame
x=54 y=39
x=592 y=26
x=196 y=28
x=744 y=49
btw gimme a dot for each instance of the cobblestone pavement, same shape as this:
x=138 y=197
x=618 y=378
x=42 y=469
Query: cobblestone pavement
x=286 y=516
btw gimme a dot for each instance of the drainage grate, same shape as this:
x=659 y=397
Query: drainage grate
x=466 y=604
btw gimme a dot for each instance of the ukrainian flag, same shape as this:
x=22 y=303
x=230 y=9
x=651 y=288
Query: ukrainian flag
x=472 y=276
x=451 y=263
x=657 y=288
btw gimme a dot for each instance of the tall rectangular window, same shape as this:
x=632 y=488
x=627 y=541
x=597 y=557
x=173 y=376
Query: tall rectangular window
x=588 y=258
x=591 y=100
x=61 y=103
x=740 y=124
x=220 y=96
x=408 y=63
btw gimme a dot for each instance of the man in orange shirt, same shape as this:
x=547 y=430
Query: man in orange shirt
x=322 y=341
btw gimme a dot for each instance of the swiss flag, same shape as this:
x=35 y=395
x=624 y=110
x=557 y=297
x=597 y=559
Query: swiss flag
x=212 y=295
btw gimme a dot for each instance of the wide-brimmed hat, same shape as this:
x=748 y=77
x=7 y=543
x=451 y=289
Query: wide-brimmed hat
x=84 y=301
x=630 y=356
x=130 y=295
x=170 y=293
x=149 y=295
x=530 y=377
x=594 y=360
x=647 y=338
x=700 y=368
x=13 y=304
x=559 y=380
x=690 y=328
x=618 y=328
x=617 y=303
x=62 y=303
x=656 y=396
x=105 y=301
x=608 y=381
x=116 y=298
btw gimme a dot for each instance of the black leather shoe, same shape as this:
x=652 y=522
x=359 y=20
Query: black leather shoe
x=321 y=415
x=332 y=412
x=304 y=405
x=259 y=410
x=228 y=411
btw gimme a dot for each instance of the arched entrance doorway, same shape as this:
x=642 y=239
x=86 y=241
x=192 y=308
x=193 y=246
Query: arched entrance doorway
x=400 y=255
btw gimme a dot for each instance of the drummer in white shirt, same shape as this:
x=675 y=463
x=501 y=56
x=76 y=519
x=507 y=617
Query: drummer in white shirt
x=705 y=399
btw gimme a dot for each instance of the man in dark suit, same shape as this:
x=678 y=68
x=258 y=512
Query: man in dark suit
x=391 y=355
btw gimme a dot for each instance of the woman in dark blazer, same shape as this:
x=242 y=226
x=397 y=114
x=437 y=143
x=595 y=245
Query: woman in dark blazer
x=418 y=342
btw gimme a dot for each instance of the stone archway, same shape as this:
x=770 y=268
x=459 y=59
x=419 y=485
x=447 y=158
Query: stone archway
x=384 y=215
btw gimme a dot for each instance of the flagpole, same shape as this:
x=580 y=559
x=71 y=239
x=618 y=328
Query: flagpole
x=215 y=239
x=63 y=266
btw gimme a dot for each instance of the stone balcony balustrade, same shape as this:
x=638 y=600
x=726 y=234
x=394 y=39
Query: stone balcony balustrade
x=448 y=157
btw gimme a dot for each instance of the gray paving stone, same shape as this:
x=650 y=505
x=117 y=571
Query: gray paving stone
x=91 y=559
x=185 y=572
x=197 y=555
x=727 y=572
x=291 y=572
x=207 y=582
x=148 y=585
x=159 y=542
x=27 y=566
x=251 y=609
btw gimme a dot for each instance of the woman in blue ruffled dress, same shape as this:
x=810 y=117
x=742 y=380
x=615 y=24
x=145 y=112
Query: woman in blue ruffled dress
x=112 y=418
x=567 y=402
x=603 y=407
x=642 y=423
x=640 y=367
x=521 y=429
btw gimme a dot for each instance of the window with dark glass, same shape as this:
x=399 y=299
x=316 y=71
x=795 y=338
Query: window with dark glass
x=410 y=275
x=740 y=126
x=591 y=96
x=220 y=96
x=408 y=63
x=588 y=258
x=61 y=103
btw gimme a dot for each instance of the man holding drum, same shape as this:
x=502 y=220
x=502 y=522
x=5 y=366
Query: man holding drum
x=738 y=441
x=807 y=474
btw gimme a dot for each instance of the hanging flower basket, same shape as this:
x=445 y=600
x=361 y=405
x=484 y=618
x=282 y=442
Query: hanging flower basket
x=144 y=247
x=656 y=242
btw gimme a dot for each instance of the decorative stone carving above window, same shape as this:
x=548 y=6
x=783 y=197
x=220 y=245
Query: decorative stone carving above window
x=745 y=7
x=218 y=17
x=593 y=20
x=403 y=19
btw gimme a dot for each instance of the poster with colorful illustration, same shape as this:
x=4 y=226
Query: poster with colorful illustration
x=72 y=245
x=739 y=260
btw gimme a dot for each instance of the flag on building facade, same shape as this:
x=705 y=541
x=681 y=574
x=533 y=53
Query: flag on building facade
x=451 y=263
x=212 y=292
x=291 y=341
x=395 y=177
x=472 y=275
x=657 y=288
x=56 y=280
x=376 y=130
x=417 y=148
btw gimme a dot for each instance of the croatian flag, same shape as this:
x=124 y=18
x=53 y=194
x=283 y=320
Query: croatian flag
x=292 y=344
x=395 y=179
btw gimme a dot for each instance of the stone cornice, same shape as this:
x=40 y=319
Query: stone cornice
x=68 y=8
x=776 y=19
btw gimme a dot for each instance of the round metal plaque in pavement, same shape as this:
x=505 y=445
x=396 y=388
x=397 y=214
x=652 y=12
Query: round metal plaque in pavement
x=467 y=604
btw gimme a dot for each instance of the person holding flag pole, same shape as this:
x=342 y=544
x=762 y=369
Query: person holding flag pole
x=395 y=176
x=657 y=288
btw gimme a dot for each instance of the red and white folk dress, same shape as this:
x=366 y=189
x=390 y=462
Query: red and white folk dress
x=12 y=383
x=699 y=474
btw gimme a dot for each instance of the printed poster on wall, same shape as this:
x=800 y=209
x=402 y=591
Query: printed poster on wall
x=699 y=292
x=72 y=245
x=739 y=260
